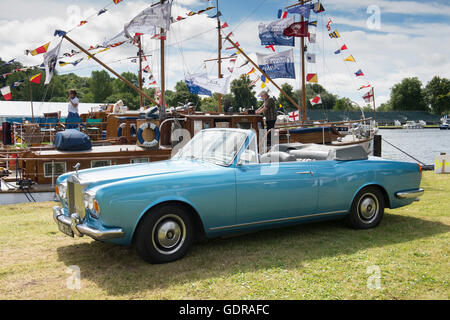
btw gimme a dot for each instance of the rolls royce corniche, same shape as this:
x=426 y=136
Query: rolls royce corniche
x=219 y=185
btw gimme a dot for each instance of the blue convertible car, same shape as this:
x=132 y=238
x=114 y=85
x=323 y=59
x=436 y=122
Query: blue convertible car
x=218 y=184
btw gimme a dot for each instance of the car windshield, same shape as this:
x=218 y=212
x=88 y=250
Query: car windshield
x=216 y=146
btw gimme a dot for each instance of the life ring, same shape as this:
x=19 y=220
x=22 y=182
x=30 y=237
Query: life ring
x=120 y=129
x=155 y=141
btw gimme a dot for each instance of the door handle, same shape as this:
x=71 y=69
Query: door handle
x=305 y=172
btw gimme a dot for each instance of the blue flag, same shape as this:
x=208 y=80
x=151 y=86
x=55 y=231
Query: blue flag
x=272 y=33
x=194 y=88
x=302 y=10
x=278 y=65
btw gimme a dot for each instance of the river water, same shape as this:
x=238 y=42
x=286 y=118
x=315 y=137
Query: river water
x=422 y=144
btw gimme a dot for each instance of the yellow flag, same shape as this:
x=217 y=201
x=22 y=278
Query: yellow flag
x=350 y=58
x=263 y=85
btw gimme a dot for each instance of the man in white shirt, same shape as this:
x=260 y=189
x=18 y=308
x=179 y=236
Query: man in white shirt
x=73 y=118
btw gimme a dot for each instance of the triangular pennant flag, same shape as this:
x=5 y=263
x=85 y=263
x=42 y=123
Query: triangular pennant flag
x=337 y=51
x=350 y=58
x=117 y=1
x=318 y=7
x=59 y=33
x=41 y=49
x=82 y=23
x=362 y=87
x=225 y=25
x=344 y=47
x=251 y=71
x=312 y=23
x=359 y=73
x=101 y=12
x=17 y=84
x=36 y=78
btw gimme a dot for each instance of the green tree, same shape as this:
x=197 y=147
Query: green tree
x=284 y=101
x=181 y=96
x=243 y=94
x=408 y=95
x=100 y=85
x=437 y=94
x=343 y=104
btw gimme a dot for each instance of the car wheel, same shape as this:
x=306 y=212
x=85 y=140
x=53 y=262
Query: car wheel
x=165 y=234
x=367 y=209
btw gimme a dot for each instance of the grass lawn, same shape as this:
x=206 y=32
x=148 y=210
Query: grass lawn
x=324 y=260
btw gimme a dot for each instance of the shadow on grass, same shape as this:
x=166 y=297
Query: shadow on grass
x=120 y=271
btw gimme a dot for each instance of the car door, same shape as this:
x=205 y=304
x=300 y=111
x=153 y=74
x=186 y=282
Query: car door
x=271 y=191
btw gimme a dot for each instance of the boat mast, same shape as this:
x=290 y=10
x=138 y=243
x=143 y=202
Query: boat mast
x=162 y=111
x=141 y=99
x=302 y=55
x=374 y=107
x=31 y=99
x=219 y=46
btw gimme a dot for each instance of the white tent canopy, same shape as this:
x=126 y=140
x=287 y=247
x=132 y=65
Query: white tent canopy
x=22 y=109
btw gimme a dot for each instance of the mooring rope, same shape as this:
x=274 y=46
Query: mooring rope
x=403 y=152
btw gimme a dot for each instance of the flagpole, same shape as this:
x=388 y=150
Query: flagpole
x=262 y=71
x=132 y=86
x=302 y=54
x=219 y=45
x=31 y=100
x=141 y=100
x=162 y=111
x=374 y=107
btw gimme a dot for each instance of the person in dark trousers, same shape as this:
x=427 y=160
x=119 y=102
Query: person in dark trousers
x=73 y=119
x=268 y=109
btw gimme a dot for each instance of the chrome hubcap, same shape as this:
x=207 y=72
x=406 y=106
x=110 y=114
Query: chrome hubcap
x=168 y=234
x=368 y=207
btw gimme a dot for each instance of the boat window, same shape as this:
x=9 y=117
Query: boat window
x=140 y=160
x=59 y=168
x=100 y=163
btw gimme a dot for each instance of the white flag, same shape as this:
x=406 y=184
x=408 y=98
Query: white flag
x=316 y=100
x=50 y=61
x=218 y=85
x=294 y=116
x=152 y=17
x=311 y=57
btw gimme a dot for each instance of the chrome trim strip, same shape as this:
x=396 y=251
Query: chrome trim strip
x=277 y=220
x=81 y=229
x=409 y=194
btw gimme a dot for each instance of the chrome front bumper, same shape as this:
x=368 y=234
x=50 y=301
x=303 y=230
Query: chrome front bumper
x=410 y=194
x=81 y=229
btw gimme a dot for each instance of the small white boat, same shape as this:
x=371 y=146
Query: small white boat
x=414 y=125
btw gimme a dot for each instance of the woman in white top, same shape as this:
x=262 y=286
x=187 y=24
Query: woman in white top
x=73 y=119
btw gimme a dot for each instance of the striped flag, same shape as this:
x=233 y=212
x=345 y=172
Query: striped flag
x=334 y=34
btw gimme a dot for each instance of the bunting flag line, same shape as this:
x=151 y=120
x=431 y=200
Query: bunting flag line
x=316 y=100
x=41 y=49
x=359 y=73
x=231 y=48
x=350 y=58
x=312 y=78
x=36 y=78
x=318 y=7
x=334 y=34
x=6 y=92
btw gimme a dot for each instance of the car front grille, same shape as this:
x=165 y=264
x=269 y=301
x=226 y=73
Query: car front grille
x=75 y=199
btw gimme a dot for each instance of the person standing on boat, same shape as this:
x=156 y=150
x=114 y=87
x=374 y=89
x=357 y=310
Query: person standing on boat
x=73 y=118
x=268 y=109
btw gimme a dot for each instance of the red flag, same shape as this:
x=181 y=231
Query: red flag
x=237 y=45
x=36 y=78
x=82 y=22
x=225 y=25
x=297 y=29
x=284 y=15
x=117 y=1
x=344 y=47
x=6 y=92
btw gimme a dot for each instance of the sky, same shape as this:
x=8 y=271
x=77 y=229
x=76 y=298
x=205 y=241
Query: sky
x=390 y=40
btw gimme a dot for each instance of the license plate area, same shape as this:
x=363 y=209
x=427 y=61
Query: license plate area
x=67 y=230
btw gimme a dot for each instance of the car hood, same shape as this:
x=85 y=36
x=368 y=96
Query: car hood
x=123 y=172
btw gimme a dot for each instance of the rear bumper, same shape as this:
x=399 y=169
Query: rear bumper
x=81 y=229
x=410 y=194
